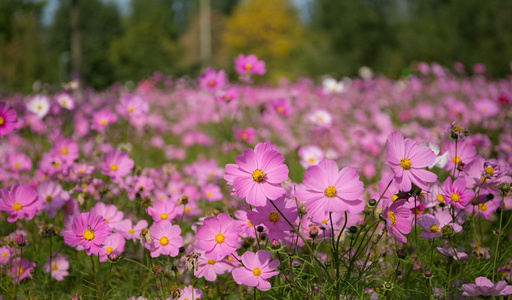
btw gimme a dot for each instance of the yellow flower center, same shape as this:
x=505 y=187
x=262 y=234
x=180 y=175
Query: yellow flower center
x=489 y=171
x=280 y=110
x=440 y=198
x=455 y=197
x=219 y=238
x=4 y=254
x=56 y=164
x=88 y=235
x=130 y=110
x=113 y=167
x=63 y=102
x=107 y=220
x=103 y=122
x=393 y=199
x=249 y=223
x=457 y=128
x=273 y=217
x=16 y=165
x=256 y=272
x=244 y=136
x=230 y=258
x=482 y=206
x=434 y=228
x=186 y=210
x=48 y=198
x=456 y=159
x=131 y=230
x=211 y=261
x=163 y=216
x=330 y=191
x=311 y=160
x=64 y=151
x=55 y=267
x=405 y=163
x=39 y=107
x=109 y=250
x=391 y=216
x=17 y=206
x=2 y=121
x=209 y=194
x=21 y=271
x=258 y=175
x=248 y=67
x=483 y=179
x=164 y=241
x=211 y=83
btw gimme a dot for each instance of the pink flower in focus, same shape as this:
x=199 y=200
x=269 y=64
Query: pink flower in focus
x=275 y=223
x=211 y=80
x=218 y=236
x=114 y=244
x=465 y=153
x=408 y=160
x=485 y=287
x=249 y=65
x=258 y=267
x=109 y=212
x=258 y=174
x=209 y=268
x=116 y=165
x=166 y=239
x=20 y=202
x=327 y=189
x=456 y=193
x=8 y=119
x=433 y=225
x=398 y=220
x=59 y=267
x=190 y=293
x=88 y=231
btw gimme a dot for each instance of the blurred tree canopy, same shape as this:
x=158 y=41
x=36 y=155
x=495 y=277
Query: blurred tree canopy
x=295 y=38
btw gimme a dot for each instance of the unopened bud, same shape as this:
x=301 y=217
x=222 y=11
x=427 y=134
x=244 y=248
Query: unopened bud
x=313 y=232
x=372 y=202
x=428 y=274
x=275 y=244
x=401 y=253
x=302 y=209
x=259 y=228
x=504 y=187
x=20 y=240
x=352 y=229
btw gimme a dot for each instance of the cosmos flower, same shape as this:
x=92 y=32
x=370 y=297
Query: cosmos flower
x=310 y=156
x=258 y=174
x=129 y=231
x=163 y=210
x=21 y=269
x=485 y=287
x=398 y=220
x=249 y=65
x=59 y=266
x=65 y=100
x=102 y=119
x=8 y=119
x=274 y=222
x=257 y=269
x=87 y=231
x=211 y=80
x=408 y=160
x=209 y=268
x=114 y=244
x=456 y=193
x=109 y=212
x=20 y=202
x=166 y=239
x=116 y=164
x=218 y=236
x=39 y=105
x=54 y=197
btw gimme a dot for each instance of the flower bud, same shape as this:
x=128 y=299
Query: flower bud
x=401 y=253
x=259 y=228
x=313 y=232
x=20 y=240
x=352 y=229
x=275 y=244
x=428 y=274
x=302 y=209
x=372 y=202
x=113 y=257
x=504 y=187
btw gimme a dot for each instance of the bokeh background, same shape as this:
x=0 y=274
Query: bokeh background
x=102 y=42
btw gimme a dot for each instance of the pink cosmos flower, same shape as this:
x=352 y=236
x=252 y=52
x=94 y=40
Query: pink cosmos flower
x=246 y=226
x=114 y=243
x=67 y=149
x=53 y=197
x=87 y=231
x=456 y=192
x=226 y=95
x=258 y=174
x=190 y=293
x=21 y=269
x=132 y=106
x=258 y=267
x=327 y=189
x=59 y=267
x=129 y=231
x=485 y=287
x=116 y=165
x=102 y=119
x=65 y=100
x=18 y=162
x=310 y=156
x=408 y=160
x=8 y=119
x=211 y=80
x=275 y=223
x=465 y=153
x=249 y=65
x=245 y=135
x=456 y=254
x=433 y=225
x=282 y=106
x=163 y=210
x=5 y=255
x=398 y=219
x=166 y=239
x=109 y=212
x=20 y=202
x=209 y=268
x=218 y=236
x=211 y=192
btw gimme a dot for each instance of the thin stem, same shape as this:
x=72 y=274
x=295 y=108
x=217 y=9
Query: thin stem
x=108 y=280
x=498 y=238
x=95 y=279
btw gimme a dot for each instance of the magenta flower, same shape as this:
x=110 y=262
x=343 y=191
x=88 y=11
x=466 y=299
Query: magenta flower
x=245 y=135
x=8 y=119
x=66 y=149
x=408 y=161
x=211 y=192
x=21 y=269
x=456 y=192
x=88 y=231
x=59 y=267
x=398 y=220
x=433 y=225
x=310 y=156
x=485 y=287
x=258 y=174
x=5 y=255
x=116 y=165
x=327 y=189
x=166 y=239
x=465 y=153
x=129 y=231
x=282 y=106
x=20 y=201
x=163 y=210
x=249 y=65
x=190 y=293
x=102 y=119
x=65 y=100
x=275 y=223
x=211 y=80
x=114 y=244
x=257 y=268
x=18 y=162
x=218 y=236
x=109 y=212
x=53 y=197
x=209 y=268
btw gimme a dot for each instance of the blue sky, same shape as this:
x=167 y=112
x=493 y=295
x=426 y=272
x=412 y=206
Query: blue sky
x=123 y=5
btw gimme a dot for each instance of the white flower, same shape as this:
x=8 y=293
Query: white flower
x=39 y=105
x=310 y=156
x=441 y=160
x=65 y=100
x=331 y=86
x=321 y=118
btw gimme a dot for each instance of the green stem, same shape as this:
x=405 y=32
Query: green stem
x=95 y=278
x=498 y=238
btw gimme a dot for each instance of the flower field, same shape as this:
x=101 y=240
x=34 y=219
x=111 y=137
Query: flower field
x=218 y=188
